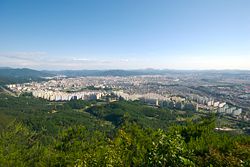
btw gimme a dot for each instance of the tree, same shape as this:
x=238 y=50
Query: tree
x=169 y=150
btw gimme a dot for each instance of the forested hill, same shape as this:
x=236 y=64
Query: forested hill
x=19 y=75
x=35 y=132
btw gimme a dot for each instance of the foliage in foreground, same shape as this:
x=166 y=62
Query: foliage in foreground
x=111 y=134
x=131 y=145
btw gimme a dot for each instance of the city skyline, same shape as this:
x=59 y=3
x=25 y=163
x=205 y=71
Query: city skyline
x=186 y=35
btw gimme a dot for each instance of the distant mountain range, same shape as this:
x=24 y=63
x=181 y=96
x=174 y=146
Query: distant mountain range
x=74 y=73
x=19 y=75
x=167 y=72
x=30 y=73
x=23 y=74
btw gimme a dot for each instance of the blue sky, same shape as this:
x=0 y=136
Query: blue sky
x=126 y=34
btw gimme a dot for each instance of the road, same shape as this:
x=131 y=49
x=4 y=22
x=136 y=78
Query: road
x=7 y=91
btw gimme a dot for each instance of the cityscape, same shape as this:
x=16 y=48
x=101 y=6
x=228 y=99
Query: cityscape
x=157 y=90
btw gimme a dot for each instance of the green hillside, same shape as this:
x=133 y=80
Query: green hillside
x=35 y=132
x=9 y=75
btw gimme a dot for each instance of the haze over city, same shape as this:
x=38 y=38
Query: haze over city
x=125 y=34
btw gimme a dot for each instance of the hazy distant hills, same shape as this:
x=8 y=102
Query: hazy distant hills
x=22 y=72
x=30 y=73
x=167 y=72
x=19 y=75
x=11 y=75
x=74 y=73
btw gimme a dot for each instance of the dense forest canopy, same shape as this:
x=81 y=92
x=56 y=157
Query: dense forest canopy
x=35 y=132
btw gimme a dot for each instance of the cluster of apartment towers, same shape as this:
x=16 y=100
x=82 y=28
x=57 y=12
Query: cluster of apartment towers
x=65 y=96
x=220 y=107
x=150 y=98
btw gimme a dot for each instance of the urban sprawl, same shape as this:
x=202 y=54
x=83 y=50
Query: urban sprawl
x=157 y=91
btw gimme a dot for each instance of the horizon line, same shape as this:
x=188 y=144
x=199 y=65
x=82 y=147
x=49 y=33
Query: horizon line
x=125 y=69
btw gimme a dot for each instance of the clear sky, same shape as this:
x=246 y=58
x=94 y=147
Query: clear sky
x=125 y=34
